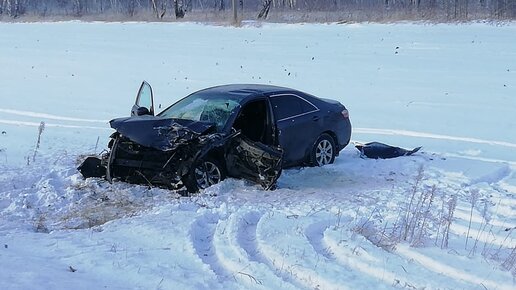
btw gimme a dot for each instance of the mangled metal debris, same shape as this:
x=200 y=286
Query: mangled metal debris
x=170 y=153
x=245 y=158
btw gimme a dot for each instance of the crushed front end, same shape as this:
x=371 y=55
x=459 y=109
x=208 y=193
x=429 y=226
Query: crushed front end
x=163 y=152
x=169 y=151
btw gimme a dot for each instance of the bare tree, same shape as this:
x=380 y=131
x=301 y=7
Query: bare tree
x=178 y=9
x=11 y=8
x=219 y=5
x=160 y=8
x=78 y=7
x=265 y=9
x=359 y=9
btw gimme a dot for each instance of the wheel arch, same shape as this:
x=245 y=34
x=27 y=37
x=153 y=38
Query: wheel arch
x=335 y=140
x=218 y=154
x=309 y=150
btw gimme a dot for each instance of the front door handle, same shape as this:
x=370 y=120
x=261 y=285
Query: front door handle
x=315 y=118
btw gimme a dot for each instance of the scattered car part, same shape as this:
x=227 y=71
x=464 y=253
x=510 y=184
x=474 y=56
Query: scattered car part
x=92 y=167
x=377 y=150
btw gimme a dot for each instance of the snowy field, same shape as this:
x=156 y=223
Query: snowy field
x=442 y=219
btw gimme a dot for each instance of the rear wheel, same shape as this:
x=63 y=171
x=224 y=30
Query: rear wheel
x=324 y=151
x=206 y=173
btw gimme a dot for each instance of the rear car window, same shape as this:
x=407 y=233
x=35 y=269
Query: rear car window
x=287 y=106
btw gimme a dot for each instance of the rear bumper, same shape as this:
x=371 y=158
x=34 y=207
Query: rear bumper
x=343 y=134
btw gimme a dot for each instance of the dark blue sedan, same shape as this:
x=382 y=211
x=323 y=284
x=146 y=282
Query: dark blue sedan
x=242 y=130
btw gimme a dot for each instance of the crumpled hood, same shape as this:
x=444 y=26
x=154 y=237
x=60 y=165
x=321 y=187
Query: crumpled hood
x=160 y=133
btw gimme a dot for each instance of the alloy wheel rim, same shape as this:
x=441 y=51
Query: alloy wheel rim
x=207 y=174
x=323 y=153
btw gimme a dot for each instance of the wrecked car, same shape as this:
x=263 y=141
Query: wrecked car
x=243 y=131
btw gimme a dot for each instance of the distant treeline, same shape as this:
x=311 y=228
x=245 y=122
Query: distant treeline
x=288 y=10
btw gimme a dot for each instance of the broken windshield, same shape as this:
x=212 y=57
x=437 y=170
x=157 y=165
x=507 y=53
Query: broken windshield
x=201 y=107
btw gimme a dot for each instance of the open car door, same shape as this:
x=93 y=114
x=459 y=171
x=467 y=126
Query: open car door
x=254 y=161
x=144 y=104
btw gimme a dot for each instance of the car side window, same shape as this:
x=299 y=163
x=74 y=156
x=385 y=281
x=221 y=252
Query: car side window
x=144 y=98
x=307 y=107
x=287 y=106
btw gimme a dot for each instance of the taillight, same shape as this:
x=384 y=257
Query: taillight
x=345 y=113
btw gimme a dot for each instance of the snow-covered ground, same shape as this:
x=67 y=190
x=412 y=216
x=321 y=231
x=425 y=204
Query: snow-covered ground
x=444 y=218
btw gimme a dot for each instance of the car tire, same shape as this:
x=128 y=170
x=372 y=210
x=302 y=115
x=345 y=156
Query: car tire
x=206 y=173
x=324 y=151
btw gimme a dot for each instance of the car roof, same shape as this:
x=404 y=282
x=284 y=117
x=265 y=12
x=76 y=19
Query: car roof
x=244 y=90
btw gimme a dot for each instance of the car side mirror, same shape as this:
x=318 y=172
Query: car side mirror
x=142 y=111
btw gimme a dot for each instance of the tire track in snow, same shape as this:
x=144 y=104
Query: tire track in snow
x=291 y=247
x=37 y=124
x=247 y=239
x=491 y=231
x=235 y=248
x=314 y=233
x=449 y=271
x=49 y=116
x=316 y=236
x=202 y=233
x=359 y=260
x=367 y=258
x=494 y=176
x=484 y=236
x=490 y=160
x=431 y=136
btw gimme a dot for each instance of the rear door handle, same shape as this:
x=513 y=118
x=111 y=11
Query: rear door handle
x=315 y=118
